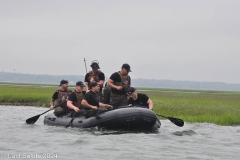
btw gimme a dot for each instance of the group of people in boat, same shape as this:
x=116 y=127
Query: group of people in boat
x=96 y=96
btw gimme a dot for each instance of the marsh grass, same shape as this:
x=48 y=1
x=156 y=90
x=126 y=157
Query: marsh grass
x=27 y=95
x=219 y=107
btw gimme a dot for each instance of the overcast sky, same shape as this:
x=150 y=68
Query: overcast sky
x=195 y=40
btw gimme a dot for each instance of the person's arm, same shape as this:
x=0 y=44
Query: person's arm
x=110 y=84
x=100 y=83
x=105 y=105
x=129 y=81
x=129 y=101
x=72 y=98
x=101 y=79
x=86 y=85
x=86 y=81
x=71 y=106
x=52 y=104
x=54 y=97
x=150 y=104
x=86 y=104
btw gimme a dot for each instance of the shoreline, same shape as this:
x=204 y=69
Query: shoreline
x=20 y=104
x=221 y=108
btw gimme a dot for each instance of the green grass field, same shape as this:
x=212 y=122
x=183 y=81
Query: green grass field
x=218 y=107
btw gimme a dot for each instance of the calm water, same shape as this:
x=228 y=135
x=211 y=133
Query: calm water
x=193 y=141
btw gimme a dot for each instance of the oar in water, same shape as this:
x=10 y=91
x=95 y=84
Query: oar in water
x=71 y=120
x=176 y=121
x=32 y=120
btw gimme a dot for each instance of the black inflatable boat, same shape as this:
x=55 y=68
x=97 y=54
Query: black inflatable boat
x=124 y=118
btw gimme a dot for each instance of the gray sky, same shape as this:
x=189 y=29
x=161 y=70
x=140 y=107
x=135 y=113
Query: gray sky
x=195 y=40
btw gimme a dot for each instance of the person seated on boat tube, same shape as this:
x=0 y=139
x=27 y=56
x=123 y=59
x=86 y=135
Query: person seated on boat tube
x=75 y=98
x=138 y=99
x=61 y=96
x=91 y=102
x=95 y=75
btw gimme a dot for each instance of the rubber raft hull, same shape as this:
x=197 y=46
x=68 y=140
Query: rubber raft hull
x=127 y=118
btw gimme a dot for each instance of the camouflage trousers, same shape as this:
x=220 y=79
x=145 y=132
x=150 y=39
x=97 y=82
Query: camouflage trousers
x=100 y=97
x=92 y=112
x=106 y=95
x=59 y=111
x=118 y=100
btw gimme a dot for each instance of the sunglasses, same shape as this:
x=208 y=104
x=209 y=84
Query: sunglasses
x=129 y=93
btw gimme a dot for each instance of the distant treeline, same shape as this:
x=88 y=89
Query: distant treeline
x=151 y=83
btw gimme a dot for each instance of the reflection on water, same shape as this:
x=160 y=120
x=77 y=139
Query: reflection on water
x=182 y=133
x=193 y=141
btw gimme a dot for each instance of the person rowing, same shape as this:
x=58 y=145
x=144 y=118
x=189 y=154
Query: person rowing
x=138 y=99
x=61 y=96
x=75 y=98
x=91 y=101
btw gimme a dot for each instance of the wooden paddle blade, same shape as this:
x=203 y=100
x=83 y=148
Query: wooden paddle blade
x=176 y=121
x=32 y=120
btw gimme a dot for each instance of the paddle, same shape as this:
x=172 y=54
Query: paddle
x=71 y=120
x=32 y=120
x=176 y=121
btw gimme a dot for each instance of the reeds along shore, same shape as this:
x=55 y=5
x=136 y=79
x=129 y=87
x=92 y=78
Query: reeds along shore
x=218 y=107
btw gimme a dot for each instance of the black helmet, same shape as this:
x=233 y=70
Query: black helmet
x=95 y=65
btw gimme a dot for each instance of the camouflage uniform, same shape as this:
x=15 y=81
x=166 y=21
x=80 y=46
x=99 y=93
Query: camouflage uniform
x=106 y=94
x=118 y=100
x=78 y=104
x=62 y=96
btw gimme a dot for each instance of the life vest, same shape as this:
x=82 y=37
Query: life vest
x=80 y=97
x=94 y=76
x=63 y=96
x=125 y=82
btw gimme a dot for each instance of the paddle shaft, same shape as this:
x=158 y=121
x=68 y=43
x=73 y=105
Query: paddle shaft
x=175 y=121
x=32 y=120
x=46 y=111
x=162 y=116
x=50 y=109
x=71 y=120
x=54 y=108
x=76 y=112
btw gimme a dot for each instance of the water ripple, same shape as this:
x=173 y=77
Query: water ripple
x=193 y=141
x=182 y=133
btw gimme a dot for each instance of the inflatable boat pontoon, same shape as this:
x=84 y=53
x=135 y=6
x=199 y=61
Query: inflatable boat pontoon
x=124 y=118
